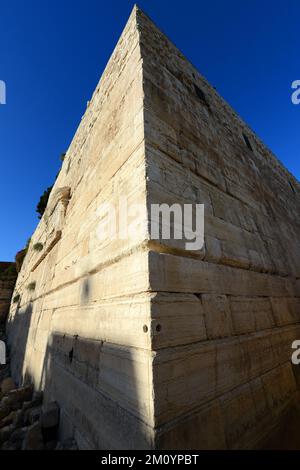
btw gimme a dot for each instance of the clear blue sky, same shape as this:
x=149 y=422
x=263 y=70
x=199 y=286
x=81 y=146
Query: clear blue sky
x=54 y=51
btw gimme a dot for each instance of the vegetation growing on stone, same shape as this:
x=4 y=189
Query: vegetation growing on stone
x=31 y=286
x=38 y=246
x=16 y=298
x=41 y=207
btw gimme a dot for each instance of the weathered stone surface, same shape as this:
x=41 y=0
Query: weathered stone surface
x=32 y=415
x=33 y=438
x=49 y=422
x=19 y=409
x=15 y=398
x=7 y=385
x=4 y=409
x=9 y=419
x=217 y=315
x=251 y=314
x=7 y=282
x=6 y=432
x=164 y=347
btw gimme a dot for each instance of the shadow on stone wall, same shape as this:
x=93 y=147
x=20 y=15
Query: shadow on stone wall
x=101 y=388
x=8 y=276
x=17 y=331
x=95 y=385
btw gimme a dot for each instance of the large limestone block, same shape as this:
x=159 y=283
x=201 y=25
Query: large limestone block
x=177 y=319
x=251 y=314
x=183 y=274
x=181 y=434
x=217 y=315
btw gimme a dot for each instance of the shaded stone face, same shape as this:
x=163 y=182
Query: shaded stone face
x=7 y=282
x=141 y=343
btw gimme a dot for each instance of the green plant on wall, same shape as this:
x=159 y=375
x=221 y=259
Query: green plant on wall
x=31 y=286
x=27 y=244
x=20 y=256
x=41 y=207
x=16 y=298
x=38 y=246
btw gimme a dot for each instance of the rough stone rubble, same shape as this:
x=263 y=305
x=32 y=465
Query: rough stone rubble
x=25 y=422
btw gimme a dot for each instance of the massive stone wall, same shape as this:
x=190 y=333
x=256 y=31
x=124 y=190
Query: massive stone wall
x=142 y=343
x=224 y=378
